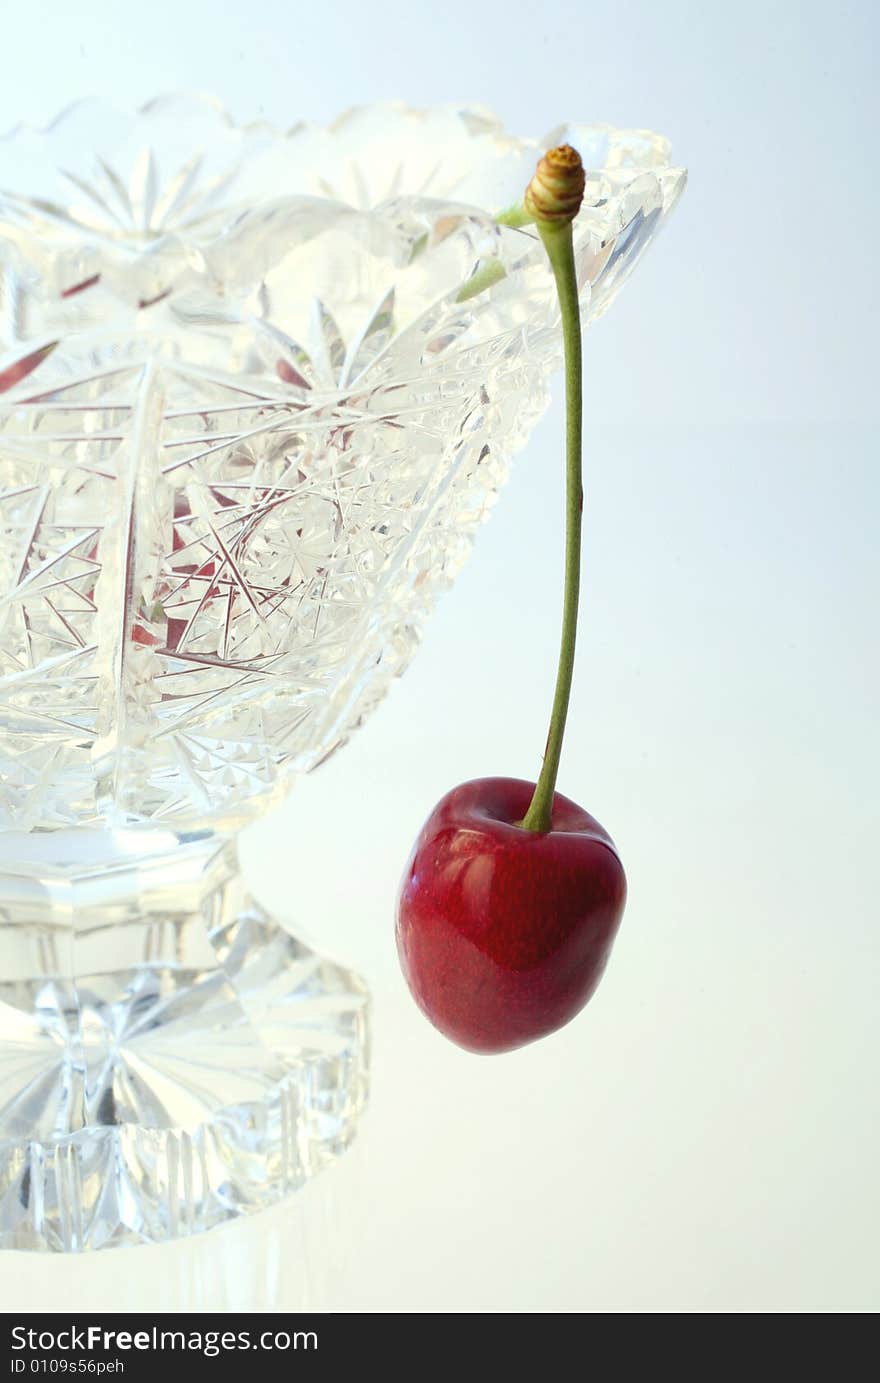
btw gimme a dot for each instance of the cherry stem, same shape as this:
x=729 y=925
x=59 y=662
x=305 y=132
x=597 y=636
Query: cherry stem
x=558 y=242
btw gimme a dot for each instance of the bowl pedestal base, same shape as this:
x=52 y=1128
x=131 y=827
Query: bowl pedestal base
x=170 y=1057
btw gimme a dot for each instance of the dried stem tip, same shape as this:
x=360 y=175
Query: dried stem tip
x=554 y=195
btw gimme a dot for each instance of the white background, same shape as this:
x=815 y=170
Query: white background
x=704 y=1137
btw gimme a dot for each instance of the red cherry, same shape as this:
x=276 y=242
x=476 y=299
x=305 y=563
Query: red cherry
x=513 y=894
x=503 y=933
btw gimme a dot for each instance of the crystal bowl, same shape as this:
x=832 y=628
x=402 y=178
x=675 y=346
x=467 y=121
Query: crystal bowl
x=257 y=390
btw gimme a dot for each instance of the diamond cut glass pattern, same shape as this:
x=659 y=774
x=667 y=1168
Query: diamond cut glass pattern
x=251 y=415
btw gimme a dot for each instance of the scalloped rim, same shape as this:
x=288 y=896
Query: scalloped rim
x=495 y=126
x=478 y=123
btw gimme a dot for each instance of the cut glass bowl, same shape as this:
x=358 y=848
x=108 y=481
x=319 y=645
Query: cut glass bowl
x=251 y=413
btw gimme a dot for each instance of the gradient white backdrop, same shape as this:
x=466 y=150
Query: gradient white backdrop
x=704 y=1138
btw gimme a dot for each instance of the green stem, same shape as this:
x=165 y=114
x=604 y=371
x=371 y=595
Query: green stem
x=558 y=244
x=515 y=216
